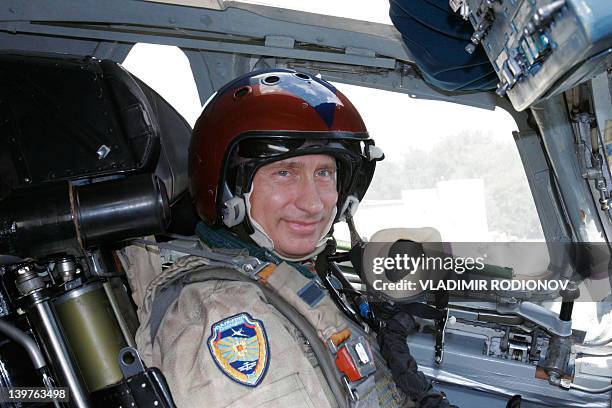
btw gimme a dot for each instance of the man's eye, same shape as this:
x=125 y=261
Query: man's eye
x=324 y=173
x=283 y=173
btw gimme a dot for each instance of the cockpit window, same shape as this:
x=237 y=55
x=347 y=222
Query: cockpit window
x=447 y=166
x=166 y=69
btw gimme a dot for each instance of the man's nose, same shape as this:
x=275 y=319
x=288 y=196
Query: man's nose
x=309 y=198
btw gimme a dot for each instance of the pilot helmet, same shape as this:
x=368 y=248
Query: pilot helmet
x=267 y=116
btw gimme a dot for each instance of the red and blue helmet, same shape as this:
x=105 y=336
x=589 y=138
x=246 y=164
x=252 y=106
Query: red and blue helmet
x=271 y=115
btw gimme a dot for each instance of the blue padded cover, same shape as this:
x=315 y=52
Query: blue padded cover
x=437 y=38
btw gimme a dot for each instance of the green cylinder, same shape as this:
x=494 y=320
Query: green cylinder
x=93 y=334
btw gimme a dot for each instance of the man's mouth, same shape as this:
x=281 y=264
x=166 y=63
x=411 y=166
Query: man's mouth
x=302 y=227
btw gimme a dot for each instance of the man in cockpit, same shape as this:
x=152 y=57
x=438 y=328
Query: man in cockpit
x=276 y=158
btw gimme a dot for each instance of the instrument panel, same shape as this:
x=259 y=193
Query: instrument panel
x=540 y=48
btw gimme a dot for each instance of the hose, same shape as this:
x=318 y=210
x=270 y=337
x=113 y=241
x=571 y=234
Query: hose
x=25 y=341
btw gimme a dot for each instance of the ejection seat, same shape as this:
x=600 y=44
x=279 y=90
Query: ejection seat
x=69 y=126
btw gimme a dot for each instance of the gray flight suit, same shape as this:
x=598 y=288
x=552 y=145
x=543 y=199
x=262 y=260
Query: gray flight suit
x=207 y=321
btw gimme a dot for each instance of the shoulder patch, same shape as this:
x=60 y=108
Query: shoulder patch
x=239 y=347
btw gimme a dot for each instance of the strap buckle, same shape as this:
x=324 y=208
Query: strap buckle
x=251 y=266
x=354 y=359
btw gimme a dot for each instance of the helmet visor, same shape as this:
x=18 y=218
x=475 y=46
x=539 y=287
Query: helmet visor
x=263 y=148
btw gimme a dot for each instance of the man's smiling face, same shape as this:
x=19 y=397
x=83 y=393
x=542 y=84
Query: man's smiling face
x=293 y=201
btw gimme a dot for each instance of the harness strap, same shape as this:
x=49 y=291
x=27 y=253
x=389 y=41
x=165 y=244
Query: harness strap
x=222 y=238
x=247 y=264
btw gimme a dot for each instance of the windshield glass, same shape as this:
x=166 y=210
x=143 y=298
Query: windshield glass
x=447 y=166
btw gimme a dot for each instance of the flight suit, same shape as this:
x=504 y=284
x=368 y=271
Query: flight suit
x=221 y=341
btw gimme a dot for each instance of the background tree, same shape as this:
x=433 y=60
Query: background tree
x=468 y=156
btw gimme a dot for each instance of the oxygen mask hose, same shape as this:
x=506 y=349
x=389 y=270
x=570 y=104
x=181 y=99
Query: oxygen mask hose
x=404 y=369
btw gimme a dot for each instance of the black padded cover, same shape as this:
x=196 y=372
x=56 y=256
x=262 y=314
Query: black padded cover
x=175 y=137
x=56 y=112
